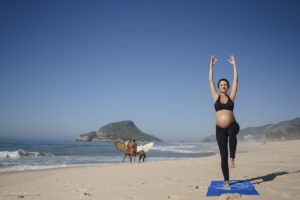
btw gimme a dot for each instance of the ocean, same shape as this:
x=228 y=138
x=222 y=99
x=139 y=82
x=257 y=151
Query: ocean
x=23 y=155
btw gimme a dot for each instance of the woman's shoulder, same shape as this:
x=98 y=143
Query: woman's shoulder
x=217 y=99
x=232 y=100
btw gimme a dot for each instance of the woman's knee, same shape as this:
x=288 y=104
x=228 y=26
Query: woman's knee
x=234 y=129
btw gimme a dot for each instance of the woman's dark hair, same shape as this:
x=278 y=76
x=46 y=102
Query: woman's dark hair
x=223 y=79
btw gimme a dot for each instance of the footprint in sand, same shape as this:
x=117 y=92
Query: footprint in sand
x=82 y=190
x=87 y=194
x=192 y=188
x=141 y=184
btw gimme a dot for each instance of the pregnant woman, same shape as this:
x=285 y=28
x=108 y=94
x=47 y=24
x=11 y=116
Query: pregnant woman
x=226 y=126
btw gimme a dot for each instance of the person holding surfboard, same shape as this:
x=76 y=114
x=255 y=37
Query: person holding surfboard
x=142 y=154
x=127 y=151
x=226 y=125
x=134 y=150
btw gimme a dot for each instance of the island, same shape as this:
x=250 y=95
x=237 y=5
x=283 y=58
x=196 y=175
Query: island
x=117 y=131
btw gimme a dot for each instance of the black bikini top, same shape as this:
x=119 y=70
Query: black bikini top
x=227 y=106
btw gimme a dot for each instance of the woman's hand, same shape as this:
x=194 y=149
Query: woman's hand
x=231 y=60
x=213 y=61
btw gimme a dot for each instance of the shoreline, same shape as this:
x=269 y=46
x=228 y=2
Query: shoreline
x=272 y=168
x=106 y=164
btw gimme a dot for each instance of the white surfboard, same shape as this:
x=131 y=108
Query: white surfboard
x=145 y=148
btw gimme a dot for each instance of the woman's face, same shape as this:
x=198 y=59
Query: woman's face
x=223 y=86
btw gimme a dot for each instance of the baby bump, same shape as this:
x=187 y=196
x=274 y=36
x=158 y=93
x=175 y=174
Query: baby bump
x=224 y=118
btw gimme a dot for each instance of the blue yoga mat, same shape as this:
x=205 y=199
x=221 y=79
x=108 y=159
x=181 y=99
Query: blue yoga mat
x=243 y=187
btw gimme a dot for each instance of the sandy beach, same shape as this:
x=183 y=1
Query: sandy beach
x=273 y=168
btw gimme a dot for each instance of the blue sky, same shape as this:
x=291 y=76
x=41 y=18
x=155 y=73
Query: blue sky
x=70 y=67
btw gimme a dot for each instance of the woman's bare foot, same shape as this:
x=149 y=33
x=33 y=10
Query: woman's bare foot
x=232 y=165
x=227 y=184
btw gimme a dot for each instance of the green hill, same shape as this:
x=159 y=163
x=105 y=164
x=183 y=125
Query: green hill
x=117 y=131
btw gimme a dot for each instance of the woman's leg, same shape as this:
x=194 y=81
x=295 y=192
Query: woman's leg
x=222 y=139
x=233 y=130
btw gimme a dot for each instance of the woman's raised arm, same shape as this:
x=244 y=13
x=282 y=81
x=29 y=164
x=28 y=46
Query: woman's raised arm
x=213 y=90
x=235 y=80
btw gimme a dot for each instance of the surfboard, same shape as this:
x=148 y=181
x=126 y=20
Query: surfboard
x=145 y=148
x=121 y=147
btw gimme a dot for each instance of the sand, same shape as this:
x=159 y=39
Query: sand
x=273 y=168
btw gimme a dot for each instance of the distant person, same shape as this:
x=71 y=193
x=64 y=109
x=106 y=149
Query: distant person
x=226 y=126
x=127 y=151
x=134 y=150
x=143 y=154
